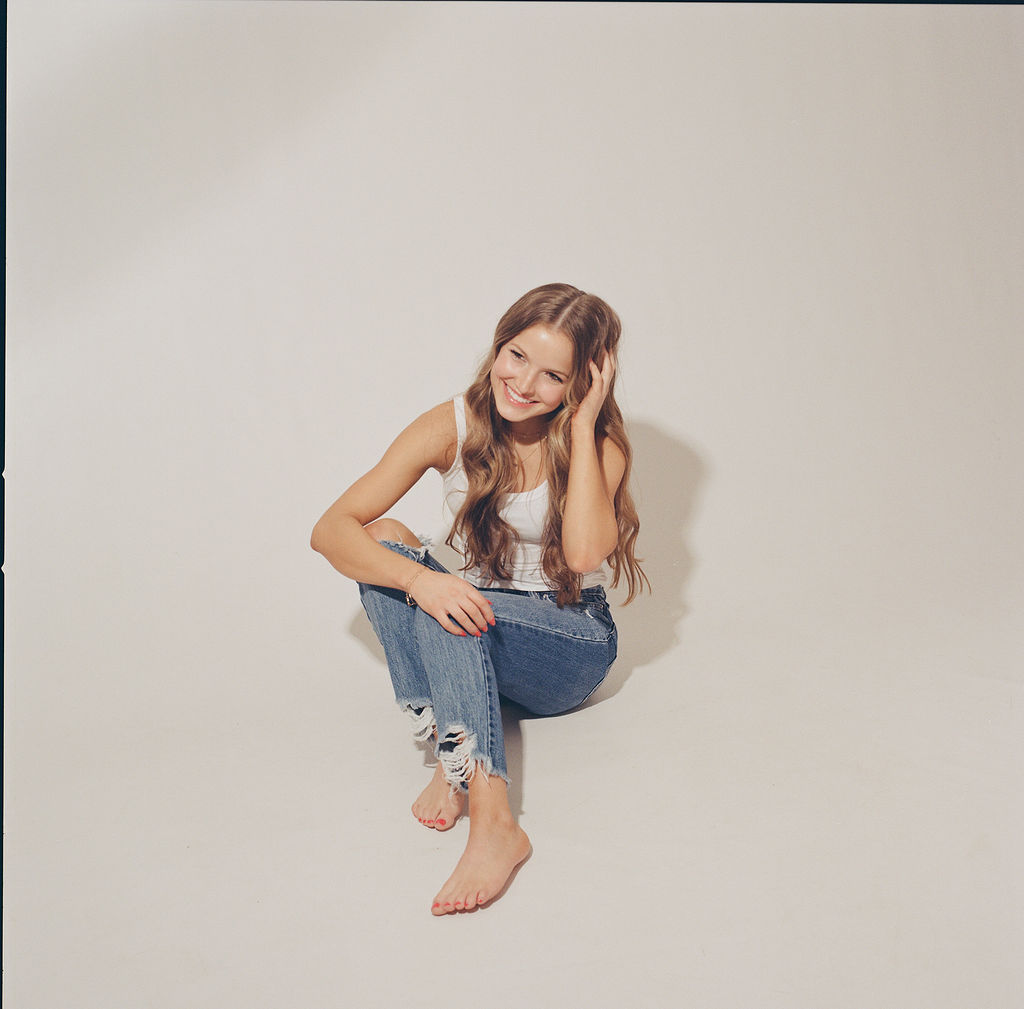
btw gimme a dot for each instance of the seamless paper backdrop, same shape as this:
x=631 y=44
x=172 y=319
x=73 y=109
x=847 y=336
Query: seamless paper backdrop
x=249 y=242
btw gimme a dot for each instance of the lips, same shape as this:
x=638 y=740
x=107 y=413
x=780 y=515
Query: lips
x=514 y=398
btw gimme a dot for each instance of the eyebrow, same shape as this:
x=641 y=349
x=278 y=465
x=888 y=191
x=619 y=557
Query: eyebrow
x=554 y=371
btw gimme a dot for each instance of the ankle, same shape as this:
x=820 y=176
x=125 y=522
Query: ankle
x=491 y=817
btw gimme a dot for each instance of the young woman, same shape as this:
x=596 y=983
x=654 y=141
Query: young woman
x=535 y=463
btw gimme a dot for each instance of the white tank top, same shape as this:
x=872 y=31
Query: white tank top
x=525 y=512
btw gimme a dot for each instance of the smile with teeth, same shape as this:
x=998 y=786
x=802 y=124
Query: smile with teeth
x=514 y=398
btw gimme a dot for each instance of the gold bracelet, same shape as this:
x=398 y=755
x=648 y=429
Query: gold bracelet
x=409 y=601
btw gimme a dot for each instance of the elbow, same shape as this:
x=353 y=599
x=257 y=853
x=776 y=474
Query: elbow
x=582 y=562
x=316 y=539
x=329 y=533
x=587 y=545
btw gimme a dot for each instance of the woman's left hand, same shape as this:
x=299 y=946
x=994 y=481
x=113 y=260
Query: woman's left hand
x=600 y=382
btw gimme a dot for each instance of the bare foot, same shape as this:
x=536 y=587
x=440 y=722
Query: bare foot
x=436 y=807
x=495 y=847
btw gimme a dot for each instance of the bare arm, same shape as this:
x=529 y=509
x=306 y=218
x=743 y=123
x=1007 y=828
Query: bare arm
x=340 y=536
x=590 y=529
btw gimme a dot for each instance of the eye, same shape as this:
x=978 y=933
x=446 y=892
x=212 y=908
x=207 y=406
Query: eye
x=516 y=354
x=554 y=377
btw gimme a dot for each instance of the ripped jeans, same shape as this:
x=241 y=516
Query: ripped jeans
x=548 y=660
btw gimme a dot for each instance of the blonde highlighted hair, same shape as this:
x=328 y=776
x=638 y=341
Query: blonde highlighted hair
x=491 y=464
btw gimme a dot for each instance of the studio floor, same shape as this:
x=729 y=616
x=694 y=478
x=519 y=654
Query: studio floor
x=740 y=820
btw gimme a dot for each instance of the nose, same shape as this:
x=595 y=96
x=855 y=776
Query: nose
x=527 y=380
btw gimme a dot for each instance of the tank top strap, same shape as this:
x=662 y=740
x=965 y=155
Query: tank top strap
x=459 y=402
x=454 y=472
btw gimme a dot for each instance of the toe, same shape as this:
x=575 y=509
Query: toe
x=444 y=902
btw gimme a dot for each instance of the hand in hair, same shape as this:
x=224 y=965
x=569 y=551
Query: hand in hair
x=600 y=384
x=455 y=604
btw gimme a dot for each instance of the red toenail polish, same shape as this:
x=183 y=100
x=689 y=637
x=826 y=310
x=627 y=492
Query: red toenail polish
x=442 y=822
x=437 y=905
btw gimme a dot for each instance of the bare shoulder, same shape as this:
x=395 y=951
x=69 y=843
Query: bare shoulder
x=437 y=432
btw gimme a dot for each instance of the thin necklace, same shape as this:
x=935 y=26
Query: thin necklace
x=522 y=460
x=529 y=455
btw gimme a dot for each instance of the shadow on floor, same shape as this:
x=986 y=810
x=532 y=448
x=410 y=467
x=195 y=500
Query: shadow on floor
x=667 y=478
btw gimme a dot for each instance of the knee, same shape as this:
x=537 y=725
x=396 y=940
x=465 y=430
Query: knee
x=566 y=700
x=550 y=707
x=392 y=530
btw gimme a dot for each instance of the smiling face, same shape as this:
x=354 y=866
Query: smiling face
x=530 y=375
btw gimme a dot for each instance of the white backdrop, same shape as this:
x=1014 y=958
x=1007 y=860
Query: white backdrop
x=248 y=242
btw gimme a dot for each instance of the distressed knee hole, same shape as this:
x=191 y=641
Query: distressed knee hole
x=391 y=530
x=456 y=753
x=423 y=724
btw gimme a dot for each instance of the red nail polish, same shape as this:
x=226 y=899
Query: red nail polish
x=443 y=822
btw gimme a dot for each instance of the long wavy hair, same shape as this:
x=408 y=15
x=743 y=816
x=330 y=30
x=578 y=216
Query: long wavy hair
x=492 y=467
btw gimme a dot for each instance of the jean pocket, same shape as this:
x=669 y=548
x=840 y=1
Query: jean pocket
x=598 y=609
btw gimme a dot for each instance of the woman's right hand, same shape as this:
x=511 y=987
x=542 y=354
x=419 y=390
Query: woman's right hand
x=455 y=604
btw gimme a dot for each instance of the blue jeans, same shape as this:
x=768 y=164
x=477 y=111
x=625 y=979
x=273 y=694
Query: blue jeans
x=548 y=660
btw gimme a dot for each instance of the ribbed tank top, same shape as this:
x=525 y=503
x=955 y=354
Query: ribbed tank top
x=526 y=512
